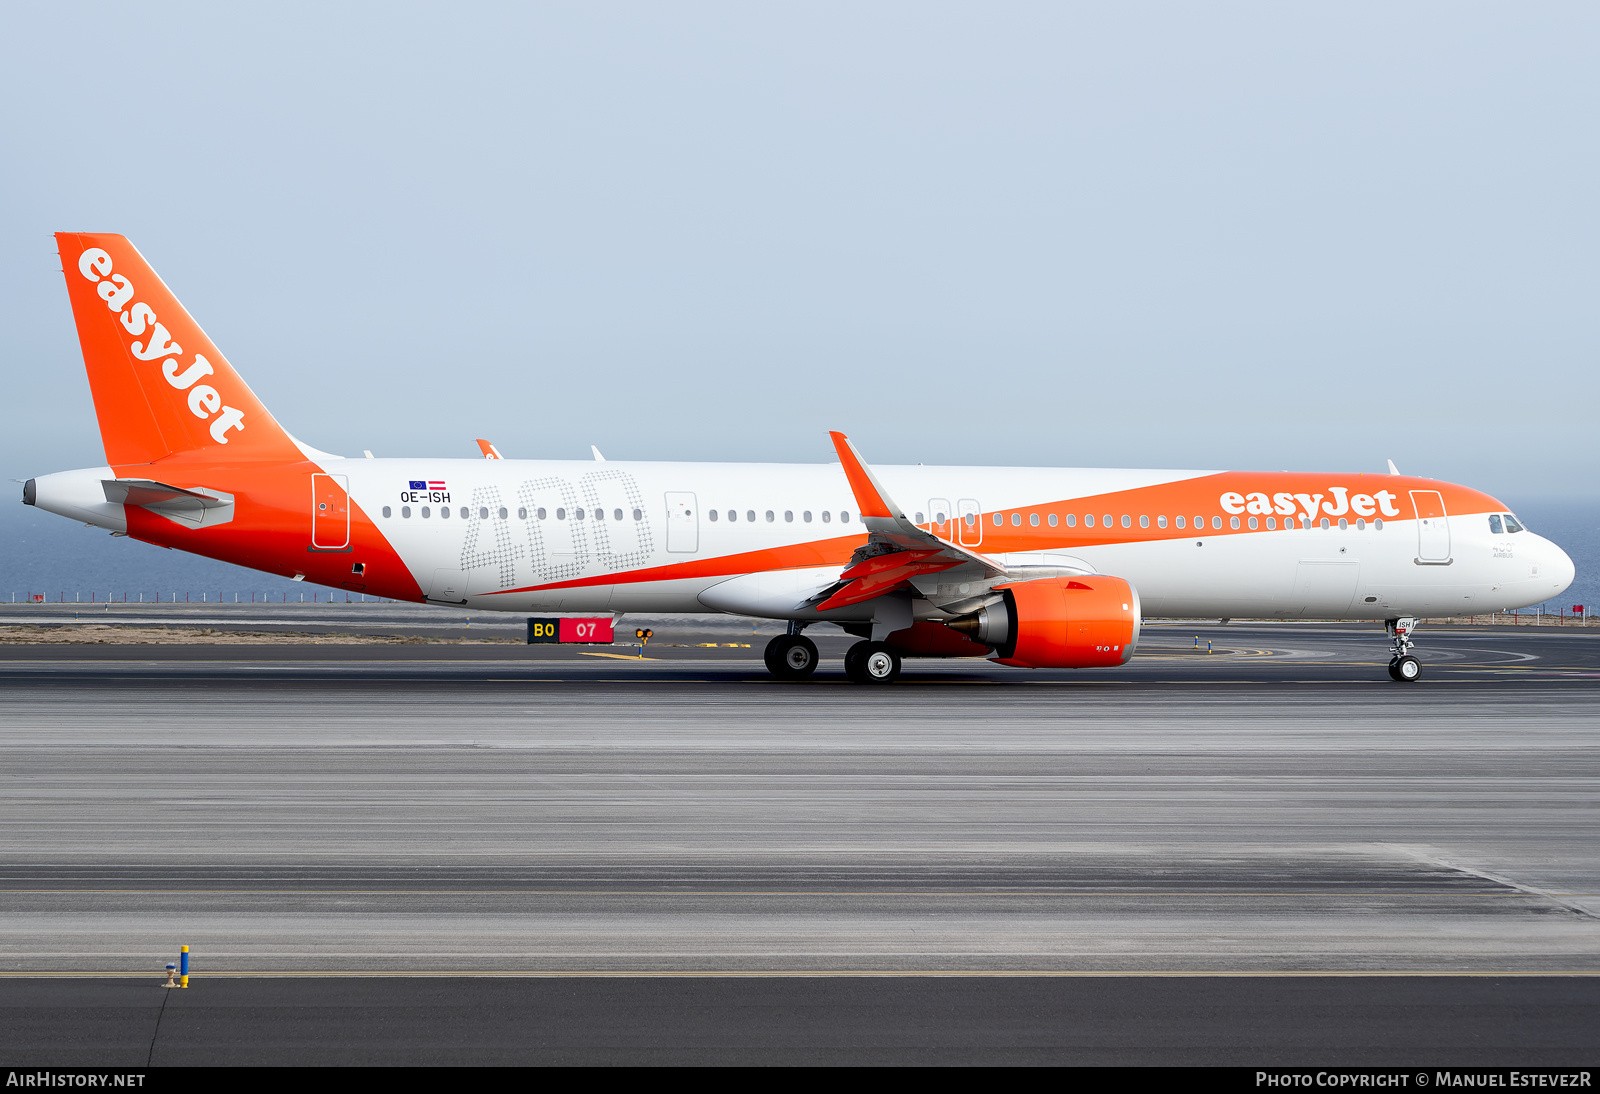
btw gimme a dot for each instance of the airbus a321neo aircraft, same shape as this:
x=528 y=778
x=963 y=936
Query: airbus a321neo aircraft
x=1032 y=567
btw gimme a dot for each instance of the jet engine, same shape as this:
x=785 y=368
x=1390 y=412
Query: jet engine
x=1082 y=622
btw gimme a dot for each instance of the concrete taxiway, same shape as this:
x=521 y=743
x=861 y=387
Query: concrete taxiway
x=1278 y=807
x=1283 y=806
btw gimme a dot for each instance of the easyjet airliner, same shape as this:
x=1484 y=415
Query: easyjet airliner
x=1032 y=567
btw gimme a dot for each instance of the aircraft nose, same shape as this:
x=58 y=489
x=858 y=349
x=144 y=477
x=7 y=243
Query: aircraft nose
x=1562 y=570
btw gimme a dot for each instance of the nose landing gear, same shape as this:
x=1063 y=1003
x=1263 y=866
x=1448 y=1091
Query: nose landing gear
x=1402 y=666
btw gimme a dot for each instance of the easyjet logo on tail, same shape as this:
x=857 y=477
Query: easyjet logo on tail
x=152 y=342
x=1312 y=505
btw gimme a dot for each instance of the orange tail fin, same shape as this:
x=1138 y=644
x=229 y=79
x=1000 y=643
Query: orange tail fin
x=160 y=387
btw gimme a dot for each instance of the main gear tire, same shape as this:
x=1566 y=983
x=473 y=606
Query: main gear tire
x=791 y=657
x=872 y=663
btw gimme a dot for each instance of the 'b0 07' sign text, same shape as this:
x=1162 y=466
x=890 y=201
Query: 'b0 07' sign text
x=590 y=631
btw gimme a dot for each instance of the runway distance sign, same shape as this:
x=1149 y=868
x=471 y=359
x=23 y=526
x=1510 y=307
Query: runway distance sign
x=596 y=631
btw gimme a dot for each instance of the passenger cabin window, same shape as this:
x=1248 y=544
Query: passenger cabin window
x=1127 y=521
x=750 y=515
x=444 y=512
x=825 y=517
x=1216 y=523
x=713 y=514
x=1088 y=520
x=844 y=517
x=1108 y=520
x=1494 y=523
x=483 y=513
x=806 y=516
x=1161 y=522
x=561 y=514
x=1272 y=522
x=918 y=520
x=539 y=513
x=522 y=514
x=1233 y=522
x=1052 y=519
x=638 y=514
x=998 y=520
x=771 y=516
x=386 y=511
x=1144 y=522
x=424 y=512
x=1178 y=521
x=733 y=514
x=1016 y=520
x=1072 y=520
x=788 y=516
x=1344 y=525
x=405 y=511
x=1324 y=524
x=1253 y=524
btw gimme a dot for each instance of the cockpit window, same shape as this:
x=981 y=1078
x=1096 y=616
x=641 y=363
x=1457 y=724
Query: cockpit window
x=1494 y=524
x=1511 y=524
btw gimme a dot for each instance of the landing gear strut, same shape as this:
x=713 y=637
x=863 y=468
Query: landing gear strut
x=1402 y=666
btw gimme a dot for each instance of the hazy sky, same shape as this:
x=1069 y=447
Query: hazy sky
x=1174 y=235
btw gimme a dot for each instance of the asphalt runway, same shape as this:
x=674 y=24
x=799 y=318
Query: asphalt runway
x=1245 y=1022
x=1277 y=807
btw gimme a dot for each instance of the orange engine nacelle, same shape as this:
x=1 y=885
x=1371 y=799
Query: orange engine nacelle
x=1060 y=623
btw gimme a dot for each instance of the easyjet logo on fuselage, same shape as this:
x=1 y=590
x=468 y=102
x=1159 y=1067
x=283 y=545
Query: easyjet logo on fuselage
x=1312 y=506
x=138 y=318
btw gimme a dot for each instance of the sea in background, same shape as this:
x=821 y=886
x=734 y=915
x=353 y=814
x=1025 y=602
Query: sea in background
x=46 y=554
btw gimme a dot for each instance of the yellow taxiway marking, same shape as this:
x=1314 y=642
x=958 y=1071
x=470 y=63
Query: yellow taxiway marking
x=1097 y=894
x=618 y=656
x=242 y=974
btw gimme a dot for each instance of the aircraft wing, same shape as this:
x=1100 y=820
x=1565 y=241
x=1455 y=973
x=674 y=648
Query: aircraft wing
x=896 y=549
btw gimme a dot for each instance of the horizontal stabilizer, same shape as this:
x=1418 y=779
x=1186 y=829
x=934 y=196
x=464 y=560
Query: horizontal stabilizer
x=192 y=508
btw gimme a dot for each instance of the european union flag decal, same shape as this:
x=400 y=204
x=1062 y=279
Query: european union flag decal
x=418 y=484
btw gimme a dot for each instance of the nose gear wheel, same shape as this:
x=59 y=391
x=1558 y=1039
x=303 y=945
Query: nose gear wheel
x=1402 y=666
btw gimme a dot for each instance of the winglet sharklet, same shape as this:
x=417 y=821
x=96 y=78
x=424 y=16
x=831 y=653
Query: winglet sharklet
x=870 y=497
x=885 y=520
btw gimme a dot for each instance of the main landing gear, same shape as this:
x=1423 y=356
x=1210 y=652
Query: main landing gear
x=1402 y=666
x=872 y=663
x=791 y=656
